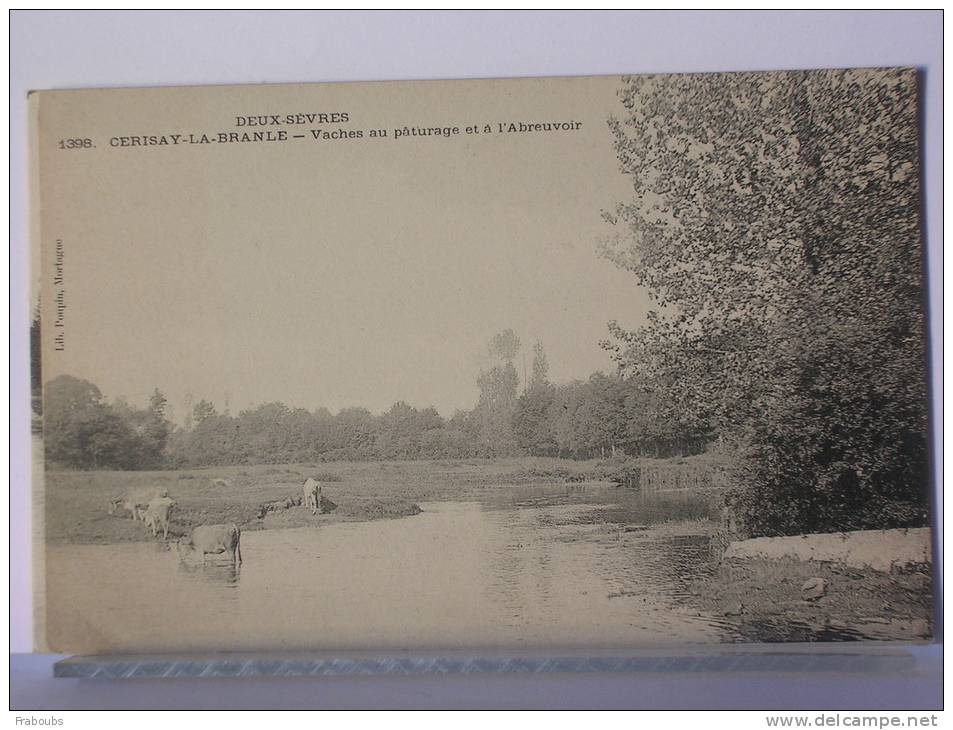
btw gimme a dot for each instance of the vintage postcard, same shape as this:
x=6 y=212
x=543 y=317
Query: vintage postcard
x=557 y=363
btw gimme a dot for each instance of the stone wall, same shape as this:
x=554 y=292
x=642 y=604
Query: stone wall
x=883 y=550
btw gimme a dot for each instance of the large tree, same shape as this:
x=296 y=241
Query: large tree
x=774 y=220
x=540 y=366
x=499 y=387
x=154 y=430
x=600 y=419
x=81 y=431
x=532 y=428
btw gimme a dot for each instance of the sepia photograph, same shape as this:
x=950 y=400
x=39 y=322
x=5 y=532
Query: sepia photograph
x=577 y=363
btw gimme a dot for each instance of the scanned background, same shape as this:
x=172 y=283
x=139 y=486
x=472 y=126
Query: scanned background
x=59 y=54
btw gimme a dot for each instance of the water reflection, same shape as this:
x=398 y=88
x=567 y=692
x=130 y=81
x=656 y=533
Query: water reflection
x=607 y=504
x=550 y=567
x=221 y=572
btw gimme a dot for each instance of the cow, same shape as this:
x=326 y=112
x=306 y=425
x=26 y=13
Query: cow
x=157 y=515
x=212 y=540
x=312 y=495
x=135 y=501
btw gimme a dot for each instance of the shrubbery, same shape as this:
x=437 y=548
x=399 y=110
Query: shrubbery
x=775 y=223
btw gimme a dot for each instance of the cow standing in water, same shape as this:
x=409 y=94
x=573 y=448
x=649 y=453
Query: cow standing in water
x=312 y=495
x=212 y=540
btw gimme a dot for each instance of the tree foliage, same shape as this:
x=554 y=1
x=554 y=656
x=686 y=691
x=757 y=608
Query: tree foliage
x=82 y=431
x=532 y=420
x=540 y=366
x=774 y=220
x=504 y=345
x=202 y=410
x=499 y=386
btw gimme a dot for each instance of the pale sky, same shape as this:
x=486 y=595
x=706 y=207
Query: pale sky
x=333 y=273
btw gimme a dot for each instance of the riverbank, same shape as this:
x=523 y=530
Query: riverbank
x=77 y=504
x=76 y=501
x=764 y=601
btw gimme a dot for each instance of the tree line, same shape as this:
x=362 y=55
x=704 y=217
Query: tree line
x=602 y=416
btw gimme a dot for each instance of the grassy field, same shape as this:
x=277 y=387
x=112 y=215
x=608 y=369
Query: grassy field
x=76 y=501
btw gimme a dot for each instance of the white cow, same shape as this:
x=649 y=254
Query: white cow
x=212 y=540
x=157 y=515
x=135 y=501
x=312 y=495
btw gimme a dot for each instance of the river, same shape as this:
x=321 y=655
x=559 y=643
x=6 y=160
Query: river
x=542 y=567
